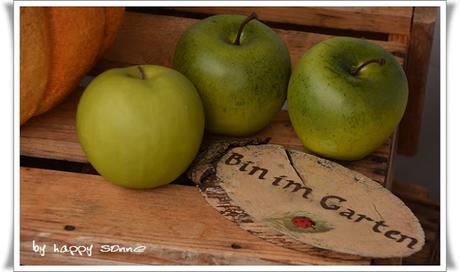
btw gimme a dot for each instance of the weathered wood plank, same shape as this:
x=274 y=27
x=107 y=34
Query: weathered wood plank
x=68 y=202
x=418 y=61
x=374 y=19
x=53 y=136
x=146 y=38
x=173 y=222
x=427 y=211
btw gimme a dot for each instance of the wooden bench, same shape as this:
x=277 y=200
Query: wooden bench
x=64 y=201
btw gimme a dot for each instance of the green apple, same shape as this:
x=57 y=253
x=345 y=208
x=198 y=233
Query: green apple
x=241 y=69
x=346 y=96
x=140 y=126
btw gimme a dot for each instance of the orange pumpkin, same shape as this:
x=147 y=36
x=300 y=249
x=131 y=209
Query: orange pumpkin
x=58 y=46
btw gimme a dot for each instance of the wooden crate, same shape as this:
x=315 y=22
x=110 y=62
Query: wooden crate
x=64 y=201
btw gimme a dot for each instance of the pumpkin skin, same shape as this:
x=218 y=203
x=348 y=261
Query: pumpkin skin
x=113 y=20
x=34 y=63
x=75 y=38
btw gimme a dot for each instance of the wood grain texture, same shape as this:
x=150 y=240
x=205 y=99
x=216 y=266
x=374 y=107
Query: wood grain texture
x=381 y=19
x=228 y=184
x=218 y=198
x=51 y=199
x=418 y=61
x=172 y=234
x=146 y=38
x=53 y=136
x=427 y=211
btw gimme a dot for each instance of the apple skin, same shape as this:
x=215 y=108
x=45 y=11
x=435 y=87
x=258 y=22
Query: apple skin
x=343 y=116
x=140 y=133
x=242 y=87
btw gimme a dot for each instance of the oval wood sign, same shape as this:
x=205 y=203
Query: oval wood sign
x=306 y=203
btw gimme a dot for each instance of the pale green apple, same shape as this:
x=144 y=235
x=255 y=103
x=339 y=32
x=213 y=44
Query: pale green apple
x=140 y=126
x=346 y=96
x=242 y=86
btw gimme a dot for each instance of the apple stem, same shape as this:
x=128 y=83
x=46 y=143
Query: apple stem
x=140 y=73
x=243 y=24
x=355 y=71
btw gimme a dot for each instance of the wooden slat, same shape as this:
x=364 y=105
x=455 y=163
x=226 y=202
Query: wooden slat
x=418 y=61
x=389 y=261
x=173 y=222
x=53 y=136
x=427 y=211
x=374 y=19
x=146 y=38
x=403 y=39
x=110 y=220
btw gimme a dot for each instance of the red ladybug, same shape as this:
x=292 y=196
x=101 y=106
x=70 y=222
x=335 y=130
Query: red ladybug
x=302 y=222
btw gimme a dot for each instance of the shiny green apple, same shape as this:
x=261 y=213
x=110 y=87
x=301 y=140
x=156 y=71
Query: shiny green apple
x=140 y=126
x=345 y=98
x=241 y=69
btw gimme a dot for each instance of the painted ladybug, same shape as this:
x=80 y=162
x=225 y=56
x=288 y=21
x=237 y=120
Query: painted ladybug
x=302 y=222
